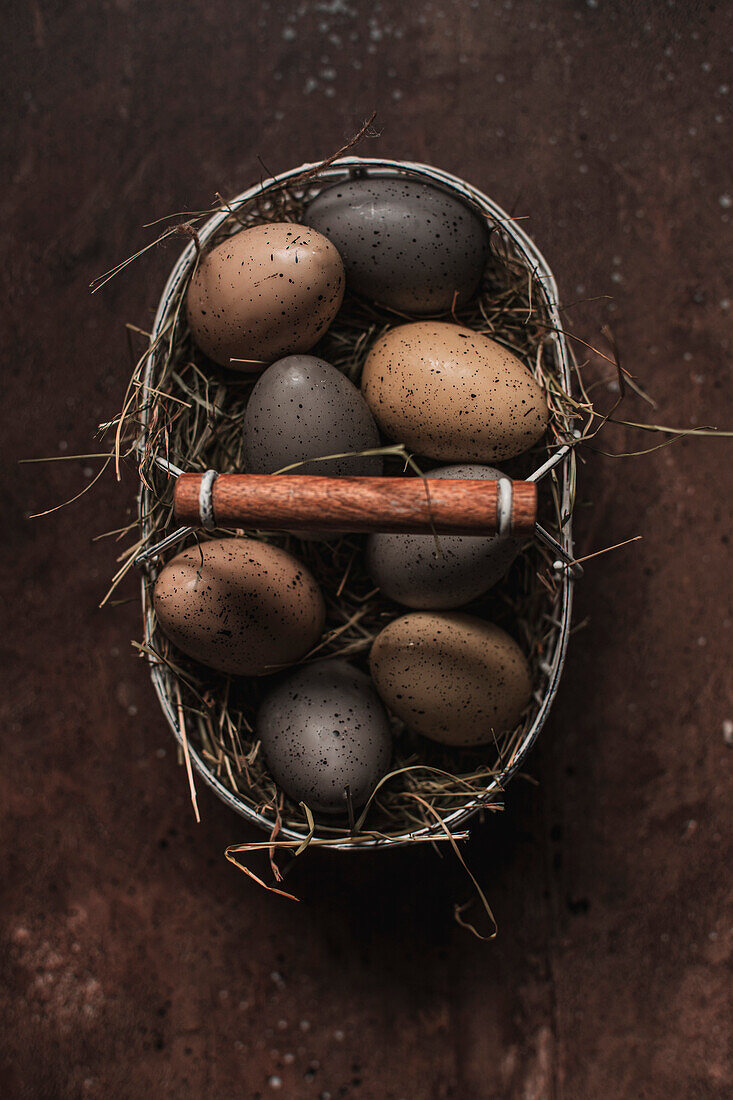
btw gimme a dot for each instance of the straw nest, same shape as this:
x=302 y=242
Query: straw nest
x=192 y=413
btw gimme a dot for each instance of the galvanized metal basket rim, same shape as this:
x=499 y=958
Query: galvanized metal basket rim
x=344 y=168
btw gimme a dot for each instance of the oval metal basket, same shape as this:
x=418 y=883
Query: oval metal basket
x=559 y=469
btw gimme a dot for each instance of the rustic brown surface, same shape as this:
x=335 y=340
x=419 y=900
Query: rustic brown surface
x=136 y=962
x=292 y=502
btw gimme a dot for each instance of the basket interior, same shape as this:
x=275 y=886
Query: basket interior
x=188 y=412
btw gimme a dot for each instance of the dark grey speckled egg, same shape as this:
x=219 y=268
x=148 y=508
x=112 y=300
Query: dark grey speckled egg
x=240 y=606
x=322 y=728
x=405 y=244
x=451 y=677
x=301 y=408
x=419 y=572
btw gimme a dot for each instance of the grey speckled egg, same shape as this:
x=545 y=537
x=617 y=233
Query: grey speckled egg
x=451 y=677
x=450 y=393
x=263 y=293
x=416 y=571
x=302 y=407
x=405 y=244
x=239 y=606
x=323 y=728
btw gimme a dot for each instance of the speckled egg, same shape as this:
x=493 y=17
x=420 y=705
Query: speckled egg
x=240 y=606
x=450 y=393
x=451 y=677
x=264 y=293
x=405 y=244
x=419 y=572
x=324 y=728
x=302 y=407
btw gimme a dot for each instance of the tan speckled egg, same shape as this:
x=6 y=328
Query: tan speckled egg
x=268 y=291
x=450 y=393
x=451 y=677
x=240 y=606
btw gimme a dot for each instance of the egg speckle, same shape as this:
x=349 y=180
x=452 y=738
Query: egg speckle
x=422 y=572
x=451 y=677
x=406 y=244
x=450 y=393
x=263 y=293
x=240 y=606
x=323 y=728
x=301 y=408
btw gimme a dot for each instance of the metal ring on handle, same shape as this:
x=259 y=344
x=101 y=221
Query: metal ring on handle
x=504 y=506
x=206 y=500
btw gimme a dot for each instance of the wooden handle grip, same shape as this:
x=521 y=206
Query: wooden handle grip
x=411 y=505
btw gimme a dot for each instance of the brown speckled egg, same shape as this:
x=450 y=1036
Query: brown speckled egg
x=419 y=572
x=323 y=728
x=450 y=393
x=240 y=606
x=302 y=407
x=263 y=293
x=451 y=677
x=404 y=243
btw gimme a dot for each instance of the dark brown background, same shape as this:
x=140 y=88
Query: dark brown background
x=136 y=961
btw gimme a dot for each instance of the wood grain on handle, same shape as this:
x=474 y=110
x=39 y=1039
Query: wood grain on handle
x=303 y=502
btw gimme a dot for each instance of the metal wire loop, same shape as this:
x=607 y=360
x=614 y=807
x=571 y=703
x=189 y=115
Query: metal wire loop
x=206 y=500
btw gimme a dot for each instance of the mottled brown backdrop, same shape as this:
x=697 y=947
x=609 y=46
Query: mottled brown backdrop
x=136 y=962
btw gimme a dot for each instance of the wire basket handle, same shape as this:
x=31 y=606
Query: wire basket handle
x=301 y=502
